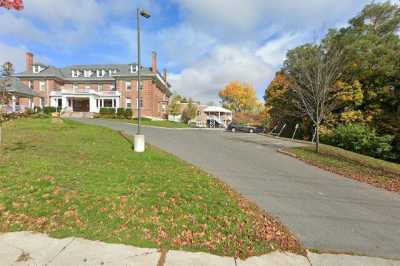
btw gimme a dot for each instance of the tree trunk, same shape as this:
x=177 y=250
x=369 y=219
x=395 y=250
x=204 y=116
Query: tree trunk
x=317 y=138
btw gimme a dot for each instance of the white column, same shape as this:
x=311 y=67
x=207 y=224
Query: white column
x=64 y=102
x=29 y=103
x=92 y=104
x=13 y=104
x=118 y=103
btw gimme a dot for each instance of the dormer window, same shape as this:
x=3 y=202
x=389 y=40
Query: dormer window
x=134 y=68
x=111 y=72
x=100 y=73
x=75 y=73
x=36 y=69
x=87 y=73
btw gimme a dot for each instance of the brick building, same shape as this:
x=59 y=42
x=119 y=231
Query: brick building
x=87 y=88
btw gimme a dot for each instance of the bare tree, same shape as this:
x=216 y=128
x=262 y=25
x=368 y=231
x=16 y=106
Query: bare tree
x=313 y=71
x=6 y=70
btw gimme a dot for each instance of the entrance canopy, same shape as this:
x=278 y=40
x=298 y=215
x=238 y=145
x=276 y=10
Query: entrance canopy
x=217 y=109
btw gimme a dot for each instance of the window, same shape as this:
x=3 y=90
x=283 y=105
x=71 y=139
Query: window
x=30 y=84
x=42 y=85
x=75 y=86
x=87 y=87
x=75 y=73
x=128 y=85
x=134 y=68
x=100 y=73
x=108 y=103
x=100 y=87
x=128 y=103
x=87 y=73
x=36 y=69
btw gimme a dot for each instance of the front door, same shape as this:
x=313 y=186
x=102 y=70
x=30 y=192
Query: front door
x=81 y=105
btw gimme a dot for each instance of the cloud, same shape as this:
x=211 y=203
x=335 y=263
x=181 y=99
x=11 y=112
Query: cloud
x=204 y=79
x=15 y=55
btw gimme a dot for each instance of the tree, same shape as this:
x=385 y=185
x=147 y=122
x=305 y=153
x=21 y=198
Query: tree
x=238 y=96
x=314 y=70
x=190 y=112
x=174 y=108
x=6 y=71
x=12 y=4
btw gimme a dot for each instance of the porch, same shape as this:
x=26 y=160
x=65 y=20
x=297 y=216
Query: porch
x=88 y=101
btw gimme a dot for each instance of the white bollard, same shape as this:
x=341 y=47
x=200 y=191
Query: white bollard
x=139 y=143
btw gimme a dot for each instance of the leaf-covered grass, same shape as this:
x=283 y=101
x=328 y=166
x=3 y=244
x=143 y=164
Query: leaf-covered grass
x=363 y=168
x=161 y=123
x=69 y=179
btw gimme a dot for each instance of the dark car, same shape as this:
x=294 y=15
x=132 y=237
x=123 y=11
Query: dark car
x=233 y=127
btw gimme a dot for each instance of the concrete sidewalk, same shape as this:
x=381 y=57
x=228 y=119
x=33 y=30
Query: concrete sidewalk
x=34 y=249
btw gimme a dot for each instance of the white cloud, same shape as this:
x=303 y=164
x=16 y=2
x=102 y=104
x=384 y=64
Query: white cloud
x=15 y=55
x=204 y=79
x=274 y=52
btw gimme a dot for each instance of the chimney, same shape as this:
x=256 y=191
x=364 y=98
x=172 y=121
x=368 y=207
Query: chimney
x=154 y=62
x=165 y=74
x=29 y=61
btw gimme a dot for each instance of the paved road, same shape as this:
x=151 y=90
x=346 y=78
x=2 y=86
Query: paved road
x=326 y=211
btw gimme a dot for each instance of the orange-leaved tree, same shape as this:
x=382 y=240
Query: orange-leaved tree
x=239 y=96
x=12 y=4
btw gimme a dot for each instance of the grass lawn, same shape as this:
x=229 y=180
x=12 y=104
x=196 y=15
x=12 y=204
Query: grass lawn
x=155 y=123
x=69 y=179
x=365 y=169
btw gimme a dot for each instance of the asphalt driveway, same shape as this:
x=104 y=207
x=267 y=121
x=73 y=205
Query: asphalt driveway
x=328 y=212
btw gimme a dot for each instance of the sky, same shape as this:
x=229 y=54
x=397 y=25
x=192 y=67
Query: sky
x=204 y=44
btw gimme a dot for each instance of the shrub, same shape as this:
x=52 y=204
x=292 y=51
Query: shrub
x=361 y=139
x=107 y=112
x=128 y=113
x=37 y=109
x=121 y=112
x=50 y=109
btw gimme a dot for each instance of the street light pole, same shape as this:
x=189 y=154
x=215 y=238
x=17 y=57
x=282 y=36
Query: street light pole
x=138 y=72
x=139 y=142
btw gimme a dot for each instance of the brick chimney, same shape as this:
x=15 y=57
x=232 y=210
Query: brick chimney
x=154 y=62
x=29 y=61
x=165 y=74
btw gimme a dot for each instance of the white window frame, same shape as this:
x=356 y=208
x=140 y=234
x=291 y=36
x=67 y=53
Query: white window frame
x=76 y=73
x=134 y=69
x=42 y=85
x=100 y=87
x=36 y=69
x=30 y=84
x=128 y=101
x=87 y=73
x=100 y=73
x=128 y=85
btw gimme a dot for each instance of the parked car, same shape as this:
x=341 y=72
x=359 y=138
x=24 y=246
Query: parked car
x=233 y=127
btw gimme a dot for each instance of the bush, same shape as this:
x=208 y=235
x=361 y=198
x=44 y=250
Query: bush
x=121 y=112
x=107 y=112
x=361 y=139
x=49 y=109
x=128 y=113
x=37 y=109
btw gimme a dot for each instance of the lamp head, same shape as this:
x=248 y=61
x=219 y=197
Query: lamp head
x=144 y=13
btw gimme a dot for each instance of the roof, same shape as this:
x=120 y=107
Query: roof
x=217 y=109
x=15 y=86
x=65 y=73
